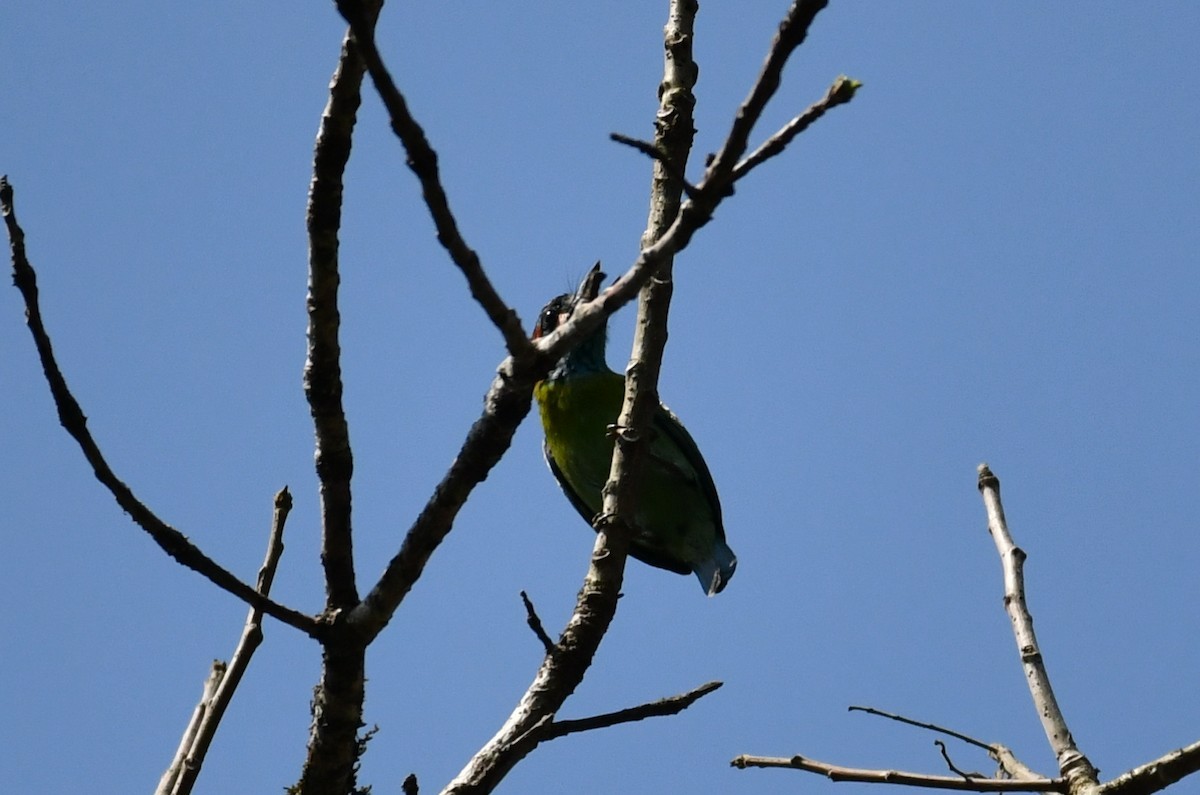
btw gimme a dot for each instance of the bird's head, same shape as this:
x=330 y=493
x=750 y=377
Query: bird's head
x=588 y=355
x=559 y=310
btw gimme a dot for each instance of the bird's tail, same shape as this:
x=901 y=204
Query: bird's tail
x=716 y=572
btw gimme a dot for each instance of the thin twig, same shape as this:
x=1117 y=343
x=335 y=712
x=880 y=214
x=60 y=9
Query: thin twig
x=230 y=676
x=1002 y=755
x=650 y=150
x=71 y=415
x=422 y=159
x=535 y=623
x=841 y=92
x=864 y=775
x=671 y=705
x=791 y=34
x=941 y=746
x=922 y=725
x=1071 y=761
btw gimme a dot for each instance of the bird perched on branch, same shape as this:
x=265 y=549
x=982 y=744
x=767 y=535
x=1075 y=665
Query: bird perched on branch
x=677 y=522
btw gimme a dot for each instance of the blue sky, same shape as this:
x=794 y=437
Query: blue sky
x=988 y=255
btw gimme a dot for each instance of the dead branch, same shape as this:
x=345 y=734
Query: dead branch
x=672 y=705
x=648 y=149
x=1021 y=778
x=171 y=777
x=535 y=624
x=670 y=229
x=181 y=776
x=1071 y=762
x=863 y=775
x=922 y=725
x=953 y=768
x=1157 y=775
x=72 y=418
x=422 y=159
x=1002 y=755
x=322 y=367
x=791 y=34
x=333 y=744
x=563 y=669
x=505 y=406
x=841 y=92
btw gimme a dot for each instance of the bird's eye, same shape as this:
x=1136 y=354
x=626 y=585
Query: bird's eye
x=546 y=323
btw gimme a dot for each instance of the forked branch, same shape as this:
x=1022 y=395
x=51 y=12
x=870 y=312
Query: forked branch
x=71 y=415
x=671 y=705
x=564 y=666
x=422 y=159
x=1003 y=756
x=180 y=777
x=869 y=776
x=1077 y=775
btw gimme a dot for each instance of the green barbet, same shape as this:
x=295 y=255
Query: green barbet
x=677 y=524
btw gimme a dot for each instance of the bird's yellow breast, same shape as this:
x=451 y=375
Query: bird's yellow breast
x=576 y=413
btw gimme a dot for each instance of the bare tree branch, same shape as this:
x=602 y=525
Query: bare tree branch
x=1009 y=763
x=1157 y=775
x=651 y=151
x=505 y=406
x=333 y=744
x=322 y=367
x=941 y=746
x=563 y=670
x=180 y=778
x=671 y=705
x=922 y=725
x=507 y=401
x=1078 y=776
x=535 y=623
x=72 y=418
x=1022 y=778
x=171 y=777
x=719 y=175
x=1002 y=755
x=1071 y=761
x=422 y=159
x=839 y=773
x=791 y=34
x=546 y=728
x=841 y=92
x=560 y=673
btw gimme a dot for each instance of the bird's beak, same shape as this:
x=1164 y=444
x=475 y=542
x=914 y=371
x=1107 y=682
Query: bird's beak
x=589 y=288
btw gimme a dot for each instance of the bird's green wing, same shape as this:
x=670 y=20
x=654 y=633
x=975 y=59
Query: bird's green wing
x=692 y=466
x=638 y=548
x=573 y=496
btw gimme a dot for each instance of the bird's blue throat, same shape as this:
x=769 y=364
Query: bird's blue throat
x=585 y=359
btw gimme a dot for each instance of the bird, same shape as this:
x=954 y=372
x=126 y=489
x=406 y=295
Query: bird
x=677 y=523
